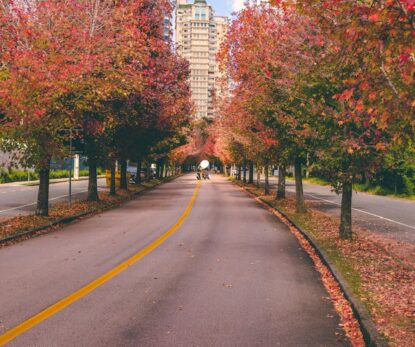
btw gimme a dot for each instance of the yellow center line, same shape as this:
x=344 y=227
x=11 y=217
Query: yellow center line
x=60 y=305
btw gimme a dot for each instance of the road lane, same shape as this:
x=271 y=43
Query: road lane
x=392 y=217
x=397 y=211
x=55 y=265
x=231 y=276
x=18 y=199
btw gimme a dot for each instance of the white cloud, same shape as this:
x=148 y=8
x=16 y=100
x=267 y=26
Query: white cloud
x=238 y=5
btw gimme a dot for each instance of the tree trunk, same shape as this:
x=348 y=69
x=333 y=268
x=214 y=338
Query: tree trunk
x=307 y=172
x=92 y=181
x=158 y=169
x=112 y=179
x=346 y=212
x=244 y=173
x=148 y=170
x=239 y=172
x=396 y=184
x=299 y=192
x=123 y=172
x=266 y=186
x=281 y=182
x=161 y=170
x=258 y=176
x=42 y=208
x=139 y=167
x=251 y=172
x=366 y=179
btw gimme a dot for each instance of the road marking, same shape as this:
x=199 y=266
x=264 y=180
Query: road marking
x=80 y=293
x=359 y=210
x=18 y=207
x=34 y=203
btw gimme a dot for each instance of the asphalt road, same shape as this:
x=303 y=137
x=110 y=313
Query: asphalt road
x=18 y=198
x=392 y=217
x=232 y=275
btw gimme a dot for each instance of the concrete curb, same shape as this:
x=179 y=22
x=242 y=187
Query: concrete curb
x=70 y=219
x=370 y=333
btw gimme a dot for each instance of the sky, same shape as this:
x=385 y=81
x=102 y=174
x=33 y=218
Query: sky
x=225 y=7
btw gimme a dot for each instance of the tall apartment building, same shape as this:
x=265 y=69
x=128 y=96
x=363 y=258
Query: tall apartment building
x=199 y=34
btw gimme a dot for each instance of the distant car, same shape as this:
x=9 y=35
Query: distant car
x=143 y=174
x=132 y=169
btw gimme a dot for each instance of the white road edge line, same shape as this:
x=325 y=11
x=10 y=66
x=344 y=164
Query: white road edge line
x=359 y=210
x=27 y=205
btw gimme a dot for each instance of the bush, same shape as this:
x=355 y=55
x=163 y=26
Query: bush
x=54 y=174
x=408 y=185
x=386 y=181
x=7 y=176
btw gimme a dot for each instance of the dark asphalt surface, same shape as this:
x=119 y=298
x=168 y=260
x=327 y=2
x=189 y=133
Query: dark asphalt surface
x=19 y=199
x=232 y=275
x=392 y=217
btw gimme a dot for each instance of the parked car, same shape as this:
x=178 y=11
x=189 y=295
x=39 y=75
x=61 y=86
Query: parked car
x=143 y=174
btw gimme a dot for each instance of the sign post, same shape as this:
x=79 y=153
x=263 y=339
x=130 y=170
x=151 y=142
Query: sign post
x=72 y=132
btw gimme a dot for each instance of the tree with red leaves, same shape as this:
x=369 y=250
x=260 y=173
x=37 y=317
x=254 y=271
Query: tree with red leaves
x=266 y=52
x=325 y=96
x=40 y=59
x=101 y=66
x=369 y=71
